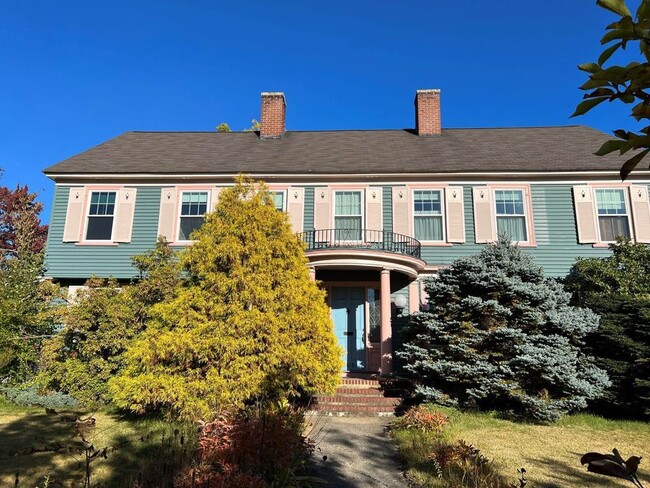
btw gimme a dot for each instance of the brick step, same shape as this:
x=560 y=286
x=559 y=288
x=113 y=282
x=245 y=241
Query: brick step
x=360 y=382
x=356 y=400
x=342 y=390
x=344 y=409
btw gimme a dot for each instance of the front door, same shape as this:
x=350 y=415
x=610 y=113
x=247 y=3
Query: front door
x=348 y=307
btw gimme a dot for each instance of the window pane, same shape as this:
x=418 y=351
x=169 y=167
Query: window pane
x=347 y=203
x=374 y=315
x=194 y=203
x=611 y=202
x=612 y=227
x=514 y=227
x=99 y=228
x=102 y=203
x=509 y=202
x=347 y=228
x=427 y=202
x=278 y=199
x=188 y=225
x=428 y=228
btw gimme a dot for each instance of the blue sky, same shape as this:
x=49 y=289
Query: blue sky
x=75 y=74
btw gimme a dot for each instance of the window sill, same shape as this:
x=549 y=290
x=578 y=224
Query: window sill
x=97 y=243
x=436 y=244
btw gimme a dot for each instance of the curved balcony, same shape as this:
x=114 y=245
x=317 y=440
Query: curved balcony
x=361 y=239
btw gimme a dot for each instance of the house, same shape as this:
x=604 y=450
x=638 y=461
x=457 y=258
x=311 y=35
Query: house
x=379 y=210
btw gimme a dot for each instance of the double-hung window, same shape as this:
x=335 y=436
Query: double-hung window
x=101 y=213
x=348 y=216
x=278 y=200
x=511 y=214
x=194 y=205
x=613 y=216
x=427 y=215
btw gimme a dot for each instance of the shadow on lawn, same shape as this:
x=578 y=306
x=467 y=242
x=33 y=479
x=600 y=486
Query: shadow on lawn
x=37 y=445
x=577 y=475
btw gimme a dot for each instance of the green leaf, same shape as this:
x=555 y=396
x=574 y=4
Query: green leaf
x=601 y=92
x=618 y=34
x=609 y=147
x=641 y=111
x=590 y=84
x=589 y=67
x=631 y=163
x=607 y=53
x=616 y=6
x=643 y=12
x=586 y=105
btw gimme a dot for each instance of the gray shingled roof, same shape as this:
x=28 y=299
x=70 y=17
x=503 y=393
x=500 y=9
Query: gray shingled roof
x=546 y=149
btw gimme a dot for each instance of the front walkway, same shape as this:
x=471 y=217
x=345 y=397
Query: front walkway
x=355 y=452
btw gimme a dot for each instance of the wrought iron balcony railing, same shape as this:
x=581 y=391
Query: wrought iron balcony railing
x=361 y=239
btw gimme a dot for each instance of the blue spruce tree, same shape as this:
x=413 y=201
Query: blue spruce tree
x=500 y=335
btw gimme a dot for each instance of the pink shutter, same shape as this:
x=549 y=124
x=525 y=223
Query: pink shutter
x=583 y=200
x=455 y=208
x=322 y=208
x=214 y=198
x=483 y=215
x=401 y=210
x=640 y=212
x=124 y=215
x=374 y=214
x=295 y=207
x=167 y=218
x=74 y=214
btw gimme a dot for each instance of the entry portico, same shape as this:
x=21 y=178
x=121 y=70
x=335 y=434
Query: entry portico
x=360 y=269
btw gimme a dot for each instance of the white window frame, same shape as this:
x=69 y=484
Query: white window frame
x=526 y=215
x=443 y=214
x=362 y=194
x=284 y=199
x=628 y=213
x=87 y=215
x=180 y=209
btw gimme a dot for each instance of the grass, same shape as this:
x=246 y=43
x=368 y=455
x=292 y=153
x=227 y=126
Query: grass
x=550 y=453
x=59 y=453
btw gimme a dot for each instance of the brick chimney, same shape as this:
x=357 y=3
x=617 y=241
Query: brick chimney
x=274 y=115
x=427 y=112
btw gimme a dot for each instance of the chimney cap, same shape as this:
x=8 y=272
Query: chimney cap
x=427 y=90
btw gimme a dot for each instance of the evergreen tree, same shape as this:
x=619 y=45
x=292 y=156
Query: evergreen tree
x=618 y=288
x=500 y=335
x=249 y=325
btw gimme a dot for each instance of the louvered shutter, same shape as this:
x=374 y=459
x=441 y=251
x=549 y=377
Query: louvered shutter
x=455 y=214
x=585 y=209
x=322 y=208
x=74 y=214
x=401 y=211
x=124 y=215
x=483 y=215
x=374 y=214
x=214 y=197
x=168 y=215
x=640 y=212
x=295 y=207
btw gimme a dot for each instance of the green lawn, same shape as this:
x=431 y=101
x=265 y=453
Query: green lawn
x=36 y=444
x=550 y=453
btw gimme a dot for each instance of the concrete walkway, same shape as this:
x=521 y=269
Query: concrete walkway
x=359 y=453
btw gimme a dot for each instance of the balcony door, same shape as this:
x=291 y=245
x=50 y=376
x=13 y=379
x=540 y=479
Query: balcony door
x=348 y=215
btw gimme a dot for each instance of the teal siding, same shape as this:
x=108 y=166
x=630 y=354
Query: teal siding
x=555 y=231
x=388 y=208
x=70 y=261
x=308 y=221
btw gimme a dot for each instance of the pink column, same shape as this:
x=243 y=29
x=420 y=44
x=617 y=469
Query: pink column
x=386 y=332
x=312 y=273
x=414 y=296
